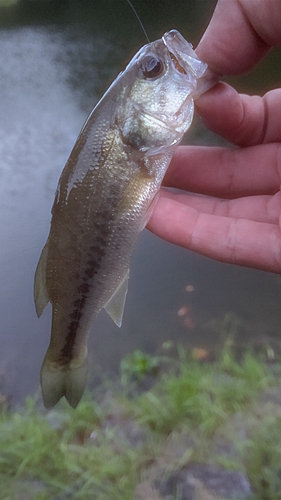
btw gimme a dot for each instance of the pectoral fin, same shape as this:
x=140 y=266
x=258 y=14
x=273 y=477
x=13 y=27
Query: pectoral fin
x=115 y=305
x=41 y=298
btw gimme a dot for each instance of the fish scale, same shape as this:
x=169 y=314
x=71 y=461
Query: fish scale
x=105 y=197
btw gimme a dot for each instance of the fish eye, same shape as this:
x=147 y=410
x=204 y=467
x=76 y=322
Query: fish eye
x=151 y=66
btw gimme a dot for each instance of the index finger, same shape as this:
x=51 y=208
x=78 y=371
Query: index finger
x=224 y=172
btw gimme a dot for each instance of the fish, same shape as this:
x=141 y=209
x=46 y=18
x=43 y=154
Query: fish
x=105 y=197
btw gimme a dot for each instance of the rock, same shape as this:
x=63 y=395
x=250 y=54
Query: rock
x=145 y=491
x=204 y=482
x=126 y=431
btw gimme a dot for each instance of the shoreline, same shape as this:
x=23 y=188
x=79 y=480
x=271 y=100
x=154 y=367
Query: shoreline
x=183 y=429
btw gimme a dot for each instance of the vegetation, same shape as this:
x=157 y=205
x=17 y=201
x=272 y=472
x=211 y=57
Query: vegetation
x=226 y=413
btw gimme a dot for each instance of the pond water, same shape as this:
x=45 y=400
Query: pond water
x=56 y=60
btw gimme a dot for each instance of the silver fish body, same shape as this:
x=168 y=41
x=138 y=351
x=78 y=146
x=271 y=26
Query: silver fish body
x=104 y=199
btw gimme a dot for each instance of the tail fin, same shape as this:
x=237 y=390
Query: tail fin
x=58 y=381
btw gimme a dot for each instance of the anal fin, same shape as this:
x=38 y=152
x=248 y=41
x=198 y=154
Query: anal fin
x=116 y=303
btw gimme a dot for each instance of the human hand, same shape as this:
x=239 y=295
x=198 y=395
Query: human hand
x=235 y=216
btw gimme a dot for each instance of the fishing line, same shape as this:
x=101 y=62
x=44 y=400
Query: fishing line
x=138 y=18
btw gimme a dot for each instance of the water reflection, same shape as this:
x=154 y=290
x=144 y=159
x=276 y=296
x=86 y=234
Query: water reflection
x=50 y=78
x=42 y=113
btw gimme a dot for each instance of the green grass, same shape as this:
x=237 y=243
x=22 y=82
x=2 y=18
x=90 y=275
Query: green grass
x=201 y=395
x=262 y=458
x=105 y=447
x=65 y=460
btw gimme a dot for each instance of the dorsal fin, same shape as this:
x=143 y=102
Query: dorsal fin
x=41 y=298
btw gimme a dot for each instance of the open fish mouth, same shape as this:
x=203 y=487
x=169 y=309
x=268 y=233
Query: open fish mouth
x=176 y=64
x=186 y=62
x=182 y=52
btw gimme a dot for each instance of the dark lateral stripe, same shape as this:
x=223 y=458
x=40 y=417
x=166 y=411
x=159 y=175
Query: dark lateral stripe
x=95 y=254
x=83 y=289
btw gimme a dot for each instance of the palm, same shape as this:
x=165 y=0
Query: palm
x=236 y=217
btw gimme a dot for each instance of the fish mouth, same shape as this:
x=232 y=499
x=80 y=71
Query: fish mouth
x=183 y=53
x=176 y=64
x=185 y=61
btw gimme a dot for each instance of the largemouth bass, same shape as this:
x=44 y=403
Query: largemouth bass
x=104 y=199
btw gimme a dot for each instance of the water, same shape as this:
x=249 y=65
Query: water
x=56 y=60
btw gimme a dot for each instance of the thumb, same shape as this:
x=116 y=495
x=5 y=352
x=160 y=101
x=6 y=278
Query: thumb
x=239 y=34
